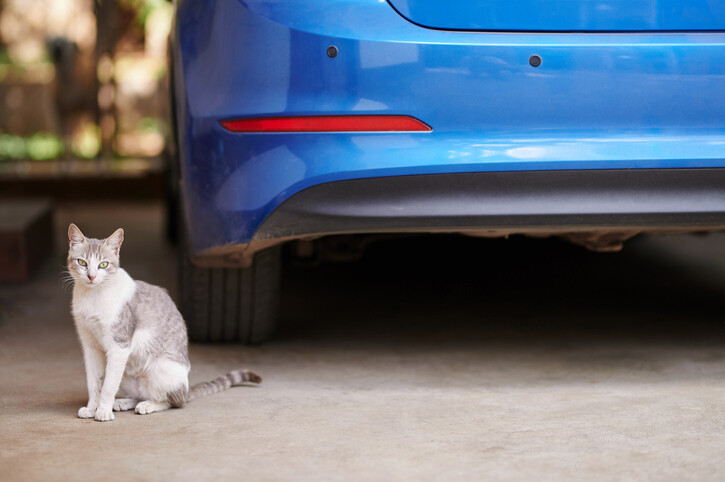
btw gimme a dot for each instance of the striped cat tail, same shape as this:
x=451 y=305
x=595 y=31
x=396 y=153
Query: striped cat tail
x=231 y=379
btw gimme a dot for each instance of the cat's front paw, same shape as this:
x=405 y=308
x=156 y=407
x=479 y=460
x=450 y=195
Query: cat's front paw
x=104 y=415
x=86 y=412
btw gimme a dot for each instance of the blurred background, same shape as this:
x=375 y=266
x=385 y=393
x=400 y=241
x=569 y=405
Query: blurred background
x=83 y=88
x=84 y=117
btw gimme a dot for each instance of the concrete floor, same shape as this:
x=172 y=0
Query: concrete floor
x=443 y=359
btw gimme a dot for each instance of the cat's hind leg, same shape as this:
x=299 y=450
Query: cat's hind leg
x=129 y=395
x=149 y=406
x=123 y=404
x=166 y=383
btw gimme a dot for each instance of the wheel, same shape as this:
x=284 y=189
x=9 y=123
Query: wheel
x=220 y=304
x=230 y=304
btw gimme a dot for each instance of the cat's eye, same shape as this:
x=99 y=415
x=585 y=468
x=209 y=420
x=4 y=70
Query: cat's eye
x=103 y=265
x=82 y=263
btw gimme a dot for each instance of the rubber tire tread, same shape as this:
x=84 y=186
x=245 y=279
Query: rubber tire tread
x=231 y=304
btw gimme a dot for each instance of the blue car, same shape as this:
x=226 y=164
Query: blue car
x=303 y=119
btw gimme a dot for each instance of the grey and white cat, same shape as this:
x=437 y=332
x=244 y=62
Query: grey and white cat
x=132 y=335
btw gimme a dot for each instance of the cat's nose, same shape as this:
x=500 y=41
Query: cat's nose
x=91 y=277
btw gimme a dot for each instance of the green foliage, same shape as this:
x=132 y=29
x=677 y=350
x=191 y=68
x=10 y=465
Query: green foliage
x=88 y=144
x=4 y=57
x=5 y=63
x=12 y=147
x=41 y=146
x=149 y=124
x=143 y=8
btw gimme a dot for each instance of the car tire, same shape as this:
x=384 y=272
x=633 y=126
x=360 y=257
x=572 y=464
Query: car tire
x=231 y=304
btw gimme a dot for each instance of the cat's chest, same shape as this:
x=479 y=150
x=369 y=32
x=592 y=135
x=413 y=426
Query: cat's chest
x=97 y=310
x=92 y=310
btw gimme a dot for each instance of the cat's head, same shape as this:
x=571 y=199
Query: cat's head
x=91 y=262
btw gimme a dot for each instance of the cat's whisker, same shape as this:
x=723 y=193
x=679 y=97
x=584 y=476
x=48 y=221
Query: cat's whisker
x=66 y=280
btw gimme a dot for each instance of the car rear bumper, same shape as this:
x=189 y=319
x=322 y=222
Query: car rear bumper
x=507 y=202
x=595 y=208
x=596 y=102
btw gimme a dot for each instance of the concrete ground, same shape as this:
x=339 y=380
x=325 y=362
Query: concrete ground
x=441 y=359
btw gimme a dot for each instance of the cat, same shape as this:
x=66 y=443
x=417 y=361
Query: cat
x=133 y=336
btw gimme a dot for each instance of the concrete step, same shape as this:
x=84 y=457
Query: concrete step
x=26 y=237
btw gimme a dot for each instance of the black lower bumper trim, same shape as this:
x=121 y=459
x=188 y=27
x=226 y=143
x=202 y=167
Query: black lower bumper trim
x=512 y=202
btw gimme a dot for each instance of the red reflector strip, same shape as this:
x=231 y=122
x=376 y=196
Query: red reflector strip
x=328 y=123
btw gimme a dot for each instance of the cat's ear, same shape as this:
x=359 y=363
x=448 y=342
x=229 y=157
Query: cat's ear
x=115 y=240
x=75 y=236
